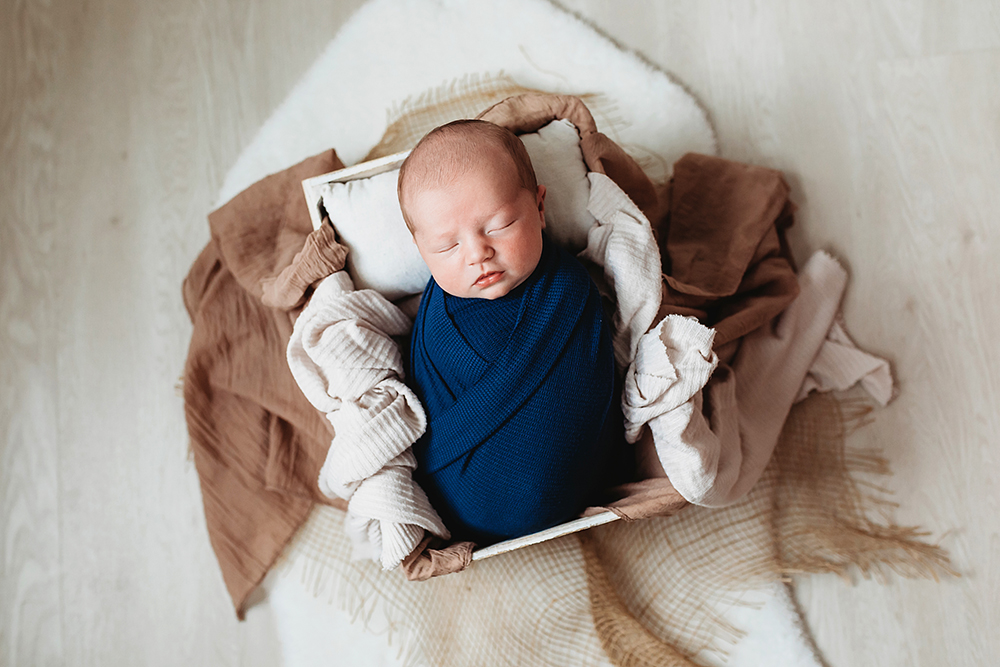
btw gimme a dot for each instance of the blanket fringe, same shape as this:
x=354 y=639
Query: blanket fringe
x=624 y=639
x=319 y=556
x=466 y=97
x=812 y=512
x=827 y=498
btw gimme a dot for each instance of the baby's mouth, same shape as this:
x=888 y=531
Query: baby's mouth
x=488 y=278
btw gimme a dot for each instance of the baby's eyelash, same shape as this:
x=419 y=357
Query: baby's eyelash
x=503 y=227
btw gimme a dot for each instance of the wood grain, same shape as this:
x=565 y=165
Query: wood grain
x=118 y=121
x=31 y=601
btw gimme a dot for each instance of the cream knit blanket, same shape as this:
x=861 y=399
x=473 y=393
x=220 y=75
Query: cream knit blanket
x=343 y=358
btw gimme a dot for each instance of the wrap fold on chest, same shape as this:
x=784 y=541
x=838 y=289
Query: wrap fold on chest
x=518 y=391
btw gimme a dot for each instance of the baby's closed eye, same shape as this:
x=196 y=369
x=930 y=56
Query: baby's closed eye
x=502 y=227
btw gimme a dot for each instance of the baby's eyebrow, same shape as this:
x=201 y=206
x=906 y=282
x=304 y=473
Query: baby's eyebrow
x=439 y=240
x=440 y=235
x=505 y=210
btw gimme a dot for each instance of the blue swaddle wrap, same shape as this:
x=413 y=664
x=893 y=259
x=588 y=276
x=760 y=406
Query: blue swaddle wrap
x=518 y=392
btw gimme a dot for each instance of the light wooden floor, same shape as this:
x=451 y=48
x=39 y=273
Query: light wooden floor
x=118 y=121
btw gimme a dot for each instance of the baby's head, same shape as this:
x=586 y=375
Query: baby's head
x=469 y=197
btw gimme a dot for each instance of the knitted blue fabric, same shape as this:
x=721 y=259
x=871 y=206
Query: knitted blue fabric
x=518 y=391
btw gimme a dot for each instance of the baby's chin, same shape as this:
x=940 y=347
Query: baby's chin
x=487 y=294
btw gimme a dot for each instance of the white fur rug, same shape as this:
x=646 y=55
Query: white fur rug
x=391 y=50
x=394 y=49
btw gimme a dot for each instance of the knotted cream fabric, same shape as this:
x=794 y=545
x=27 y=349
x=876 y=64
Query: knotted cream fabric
x=343 y=357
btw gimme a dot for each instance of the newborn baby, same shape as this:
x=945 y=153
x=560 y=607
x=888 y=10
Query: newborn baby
x=510 y=352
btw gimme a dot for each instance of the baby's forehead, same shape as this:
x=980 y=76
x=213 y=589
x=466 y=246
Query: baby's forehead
x=448 y=158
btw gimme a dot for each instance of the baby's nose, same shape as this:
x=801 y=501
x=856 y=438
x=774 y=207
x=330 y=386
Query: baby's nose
x=479 y=252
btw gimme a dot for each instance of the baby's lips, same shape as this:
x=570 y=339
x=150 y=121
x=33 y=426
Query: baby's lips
x=488 y=278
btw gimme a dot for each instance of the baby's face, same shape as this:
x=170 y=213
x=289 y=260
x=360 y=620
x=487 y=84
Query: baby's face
x=481 y=234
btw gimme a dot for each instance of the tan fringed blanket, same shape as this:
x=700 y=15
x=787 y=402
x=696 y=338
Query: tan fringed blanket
x=259 y=445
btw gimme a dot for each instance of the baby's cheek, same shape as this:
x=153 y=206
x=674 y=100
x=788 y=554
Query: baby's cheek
x=528 y=252
x=449 y=278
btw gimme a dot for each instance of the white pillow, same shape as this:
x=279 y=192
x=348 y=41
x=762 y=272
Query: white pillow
x=559 y=166
x=366 y=215
x=382 y=255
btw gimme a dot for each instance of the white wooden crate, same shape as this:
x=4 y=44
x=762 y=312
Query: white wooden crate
x=313 y=187
x=313 y=190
